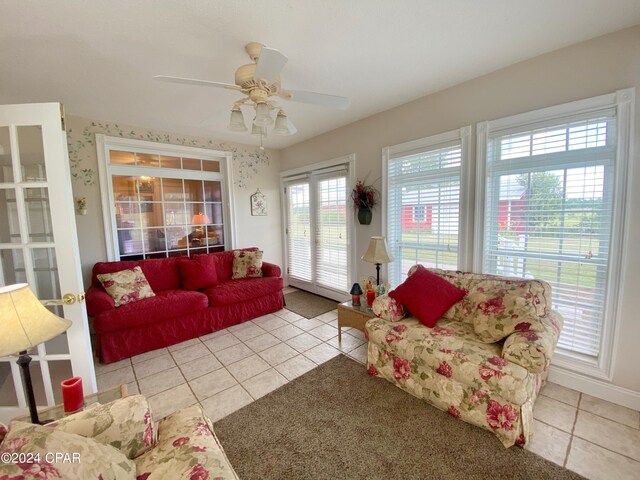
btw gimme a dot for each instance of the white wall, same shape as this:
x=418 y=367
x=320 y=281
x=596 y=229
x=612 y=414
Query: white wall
x=251 y=169
x=584 y=70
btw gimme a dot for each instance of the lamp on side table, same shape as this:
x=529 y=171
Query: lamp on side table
x=377 y=253
x=25 y=323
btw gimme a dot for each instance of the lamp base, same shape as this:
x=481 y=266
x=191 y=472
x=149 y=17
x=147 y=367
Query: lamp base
x=24 y=360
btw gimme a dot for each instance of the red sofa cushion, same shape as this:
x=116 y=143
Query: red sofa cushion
x=234 y=291
x=161 y=273
x=198 y=272
x=166 y=304
x=224 y=263
x=427 y=296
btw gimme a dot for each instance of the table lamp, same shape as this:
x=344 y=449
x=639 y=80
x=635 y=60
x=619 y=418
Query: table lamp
x=25 y=323
x=377 y=253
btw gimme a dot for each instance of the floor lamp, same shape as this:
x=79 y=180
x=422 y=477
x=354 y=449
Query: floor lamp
x=25 y=323
x=377 y=253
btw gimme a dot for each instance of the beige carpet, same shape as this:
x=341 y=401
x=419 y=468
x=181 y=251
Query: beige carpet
x=337 y=422
x=308 y=304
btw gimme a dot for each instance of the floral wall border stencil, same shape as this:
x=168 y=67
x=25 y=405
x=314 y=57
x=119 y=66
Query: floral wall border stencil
x=246 y=162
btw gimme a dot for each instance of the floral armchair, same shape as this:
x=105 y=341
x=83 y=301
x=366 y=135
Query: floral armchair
x=117 y=441
x=485 y=360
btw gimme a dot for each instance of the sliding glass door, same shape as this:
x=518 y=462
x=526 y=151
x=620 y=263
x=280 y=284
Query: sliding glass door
x=317 y=233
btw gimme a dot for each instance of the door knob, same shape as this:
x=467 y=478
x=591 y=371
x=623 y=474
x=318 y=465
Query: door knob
x=67 y=299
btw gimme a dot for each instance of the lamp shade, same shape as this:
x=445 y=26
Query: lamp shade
x=356 y=290
x=377 y=251
x=282 y=124
x=24 y=321
x=200 y=219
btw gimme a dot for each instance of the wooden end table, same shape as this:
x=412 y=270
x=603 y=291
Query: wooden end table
x=351 y=316
x=56 y=412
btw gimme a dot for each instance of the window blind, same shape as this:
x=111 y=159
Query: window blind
x=299 y=232
x=332 y=268
x=423 y=208
x=548 y=215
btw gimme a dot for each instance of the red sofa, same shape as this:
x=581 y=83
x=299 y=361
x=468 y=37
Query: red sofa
x=175 y=313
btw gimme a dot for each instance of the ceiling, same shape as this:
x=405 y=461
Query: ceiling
x=98 y=56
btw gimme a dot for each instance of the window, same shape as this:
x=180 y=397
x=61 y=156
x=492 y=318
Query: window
x=553 y=190
x=163 y=200
x=423 y=185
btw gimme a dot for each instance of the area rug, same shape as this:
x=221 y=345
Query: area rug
x=307 y=304
x=337 y=422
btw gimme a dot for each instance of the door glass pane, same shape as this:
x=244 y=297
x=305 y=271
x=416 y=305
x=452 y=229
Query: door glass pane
x=46 y=273
x=169 y=162
x=151 y=214
x=58 y=370
x=7 y=387
x=9 y=226
x=31 y=153
x=174 y=214
x=176 y=238
x=6 y=168
x=191 y=164
x=331 y=234
x=130 y=241
x=147 y=160
x=214 y=212
x=212 y=191
x=210 y=166
x=127 y=215
x=12 y=267
x=193 y=190
x=299 y=229
x=38 y=215
x=57 y=346
x=123 y=188
x=215 y=235
x=172 y=190
x=153 y=239
x=121 y=158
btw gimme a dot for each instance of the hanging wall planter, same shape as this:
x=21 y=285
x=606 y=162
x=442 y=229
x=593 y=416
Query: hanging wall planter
x=364 y=198
x=365 y=215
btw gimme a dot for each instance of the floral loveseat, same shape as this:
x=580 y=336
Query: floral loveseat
x=116 y=441
x=459 y=368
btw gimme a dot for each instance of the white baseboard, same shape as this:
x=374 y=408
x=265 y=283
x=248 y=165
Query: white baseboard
x=595 y=388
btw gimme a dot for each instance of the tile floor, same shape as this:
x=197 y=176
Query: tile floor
x=228 y=369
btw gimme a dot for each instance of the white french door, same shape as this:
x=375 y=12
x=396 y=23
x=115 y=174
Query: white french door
x=38 y=246
x=318 y=232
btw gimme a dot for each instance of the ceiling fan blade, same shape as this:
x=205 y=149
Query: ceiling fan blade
x=270 y=64
x=322 y=99
x=193 y=81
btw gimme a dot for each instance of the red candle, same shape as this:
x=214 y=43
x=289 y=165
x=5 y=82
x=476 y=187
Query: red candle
x=371 y=296
x=72 y=395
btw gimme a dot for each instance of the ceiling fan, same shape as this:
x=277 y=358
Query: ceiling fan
x=260 y=81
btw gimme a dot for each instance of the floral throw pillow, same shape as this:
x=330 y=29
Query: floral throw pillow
x=126 y=286
x=85 y=458
x=124 y=424
x=387 y=308
x=247 y=264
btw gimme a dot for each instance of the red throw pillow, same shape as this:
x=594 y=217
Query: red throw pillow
x=427 y=296
x=198 y=272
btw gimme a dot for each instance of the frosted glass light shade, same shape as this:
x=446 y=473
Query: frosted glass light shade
x=377 y=251
x=263 y=118
x=257 y=131
x=236 y=122
x=24 y=321
x=282 y=124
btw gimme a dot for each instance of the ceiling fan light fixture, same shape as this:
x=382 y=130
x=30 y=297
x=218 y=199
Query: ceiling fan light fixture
x=258 y=132
x=282 y=124
x=263 y=117
x=236 y=121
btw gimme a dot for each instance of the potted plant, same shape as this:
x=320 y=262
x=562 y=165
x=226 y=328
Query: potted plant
x=364 y=198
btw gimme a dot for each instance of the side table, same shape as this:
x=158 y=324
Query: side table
x=351 y=316
x=56 y=412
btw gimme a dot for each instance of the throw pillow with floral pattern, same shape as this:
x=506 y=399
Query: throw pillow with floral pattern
x=247 y=264
x=387 y=308
x=126 y=286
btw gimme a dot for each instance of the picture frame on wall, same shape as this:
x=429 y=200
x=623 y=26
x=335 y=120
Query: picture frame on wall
x=258 y=204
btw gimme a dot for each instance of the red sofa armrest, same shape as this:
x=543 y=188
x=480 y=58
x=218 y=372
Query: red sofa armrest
x=98 y=300
x=271 y=270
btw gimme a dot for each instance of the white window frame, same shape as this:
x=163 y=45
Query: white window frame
x=623 y=101
x=106 y=143
x=465 y=226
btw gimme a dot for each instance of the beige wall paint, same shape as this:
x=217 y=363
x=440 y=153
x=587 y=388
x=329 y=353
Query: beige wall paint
x=584 y=70
x=251 y=171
